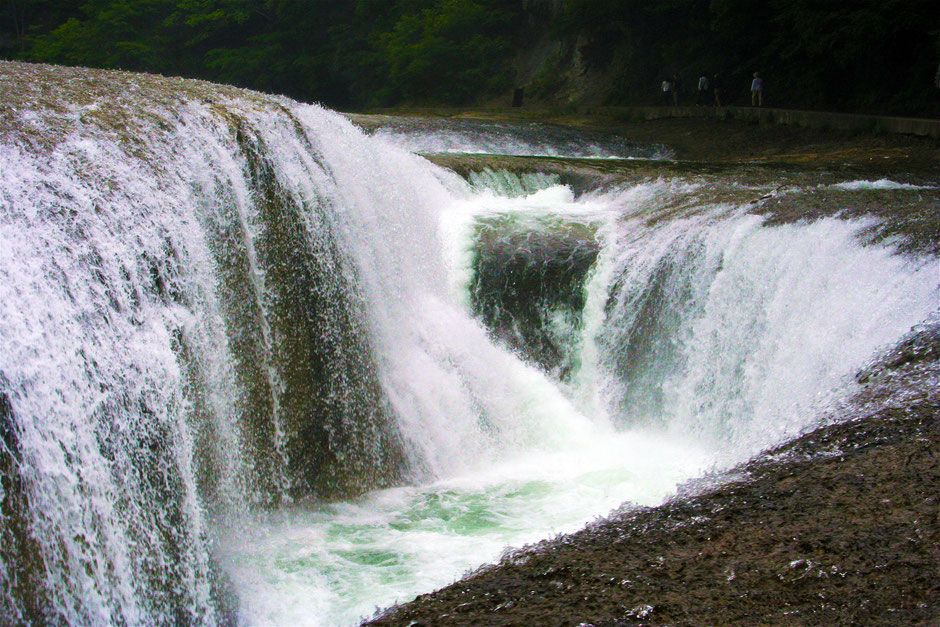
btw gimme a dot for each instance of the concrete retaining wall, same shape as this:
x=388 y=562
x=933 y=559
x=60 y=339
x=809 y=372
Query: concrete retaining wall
x=809 y=119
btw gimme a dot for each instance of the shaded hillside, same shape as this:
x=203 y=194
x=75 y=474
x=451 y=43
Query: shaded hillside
x=856 y=55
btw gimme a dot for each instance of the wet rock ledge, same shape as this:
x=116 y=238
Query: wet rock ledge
x=838 y=527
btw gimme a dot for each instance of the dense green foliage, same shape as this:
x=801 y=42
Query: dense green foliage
x=854 y=55
x=341 y=52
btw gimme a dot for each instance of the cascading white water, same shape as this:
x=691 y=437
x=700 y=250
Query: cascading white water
x=745 y=370
x=437 y=135
x=735 y=333
x=221 y=312
x=198 y=294
x=91 y=300
x=713 y=326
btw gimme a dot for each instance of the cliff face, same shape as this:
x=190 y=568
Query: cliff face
x=561 y=62
x=549 y=66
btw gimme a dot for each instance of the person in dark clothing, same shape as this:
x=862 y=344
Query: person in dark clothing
x=717 y=89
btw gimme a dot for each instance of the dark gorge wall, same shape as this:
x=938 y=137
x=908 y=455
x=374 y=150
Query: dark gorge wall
x=24 y=599
x=529 y=285
x=859 y=57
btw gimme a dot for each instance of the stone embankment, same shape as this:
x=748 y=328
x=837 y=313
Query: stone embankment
x=823 y=120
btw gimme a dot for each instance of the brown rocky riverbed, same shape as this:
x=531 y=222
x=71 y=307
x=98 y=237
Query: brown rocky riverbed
x=839 y=526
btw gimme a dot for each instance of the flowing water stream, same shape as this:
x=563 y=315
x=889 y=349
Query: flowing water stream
x=259 y=366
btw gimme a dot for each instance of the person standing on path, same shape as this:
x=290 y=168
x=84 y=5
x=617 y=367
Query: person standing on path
x=666 y=89
x=757 y=90
x=702 y=90
x=716 y=90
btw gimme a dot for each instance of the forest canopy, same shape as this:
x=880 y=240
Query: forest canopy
x=848 y=55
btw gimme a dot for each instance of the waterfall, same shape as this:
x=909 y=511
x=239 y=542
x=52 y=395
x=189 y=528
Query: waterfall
x=212 y=301
x=657 y=306
x=736 y=333
x=261 y=367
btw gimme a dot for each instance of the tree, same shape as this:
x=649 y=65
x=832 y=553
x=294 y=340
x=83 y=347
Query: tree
x=452 y=52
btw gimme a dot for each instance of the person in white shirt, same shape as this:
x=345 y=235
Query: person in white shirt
x=702 y=90
x=667 y=92
x=757 y=90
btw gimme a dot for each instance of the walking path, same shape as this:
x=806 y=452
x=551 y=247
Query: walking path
x=808 y=119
